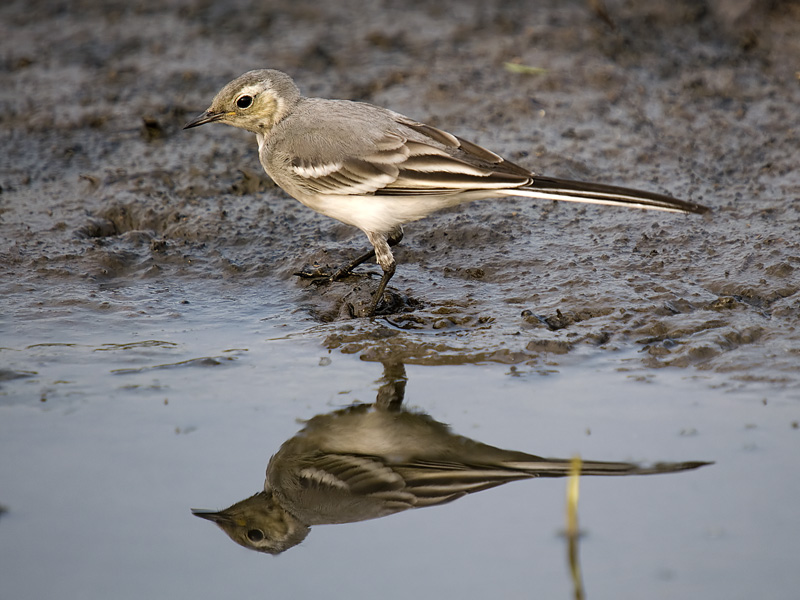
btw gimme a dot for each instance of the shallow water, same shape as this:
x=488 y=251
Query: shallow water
x=114 y=430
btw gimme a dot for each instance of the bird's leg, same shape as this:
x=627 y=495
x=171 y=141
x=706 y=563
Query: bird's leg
x=384 y=257
x=347 y=268
x=392 y=238
x=387 y=275
x=393 y=389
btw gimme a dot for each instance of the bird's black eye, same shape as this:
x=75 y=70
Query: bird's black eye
x=254 y=535
x=244 y=101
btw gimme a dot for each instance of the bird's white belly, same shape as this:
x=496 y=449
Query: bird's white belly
x=377 y=213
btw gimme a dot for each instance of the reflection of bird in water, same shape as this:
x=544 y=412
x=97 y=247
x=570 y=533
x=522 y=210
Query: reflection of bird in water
x=370 y=461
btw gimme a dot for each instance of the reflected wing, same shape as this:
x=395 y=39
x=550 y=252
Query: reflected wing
x=356 y=475
x=417 y=484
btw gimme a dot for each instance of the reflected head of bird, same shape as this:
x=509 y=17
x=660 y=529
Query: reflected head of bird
x=258 y=523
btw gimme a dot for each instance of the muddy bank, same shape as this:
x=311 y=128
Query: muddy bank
x=101 y=187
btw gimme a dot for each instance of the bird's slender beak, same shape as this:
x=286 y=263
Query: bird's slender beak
x=206 y=117
x=210 y=515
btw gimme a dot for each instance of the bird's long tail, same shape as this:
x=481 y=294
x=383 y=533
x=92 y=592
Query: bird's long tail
x=438 y=483
x=549 y=188
x=561 y=468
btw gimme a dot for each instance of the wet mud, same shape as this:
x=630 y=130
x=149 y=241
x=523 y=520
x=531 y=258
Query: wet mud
x=101 y=187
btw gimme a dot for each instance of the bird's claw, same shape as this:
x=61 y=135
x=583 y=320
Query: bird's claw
x=321 y=275
x=314 y=272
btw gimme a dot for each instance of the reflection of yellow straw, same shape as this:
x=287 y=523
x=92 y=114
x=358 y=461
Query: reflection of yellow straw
x=572 y=526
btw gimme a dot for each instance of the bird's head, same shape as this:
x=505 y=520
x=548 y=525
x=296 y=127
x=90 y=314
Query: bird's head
x=254 y=101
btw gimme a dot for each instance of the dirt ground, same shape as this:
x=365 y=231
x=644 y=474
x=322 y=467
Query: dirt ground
x=101 y=187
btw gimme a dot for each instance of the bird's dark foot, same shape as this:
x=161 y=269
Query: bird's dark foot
x=315 y=271
x=358 y=305
x=388 y=303
x=319 y=274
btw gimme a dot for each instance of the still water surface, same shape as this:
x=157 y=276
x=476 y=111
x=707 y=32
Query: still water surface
x=121 y=412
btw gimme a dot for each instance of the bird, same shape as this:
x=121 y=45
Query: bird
x=367 y=461
x=376 y=169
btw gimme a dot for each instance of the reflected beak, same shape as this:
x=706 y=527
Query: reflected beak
x=206 y=117
x=210 y=515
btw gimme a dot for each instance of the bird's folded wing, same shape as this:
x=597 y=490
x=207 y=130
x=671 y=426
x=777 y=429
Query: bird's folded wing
x=424 y=161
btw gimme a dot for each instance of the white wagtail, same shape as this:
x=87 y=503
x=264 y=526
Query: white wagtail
x=376 y=169
x=369 y=461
